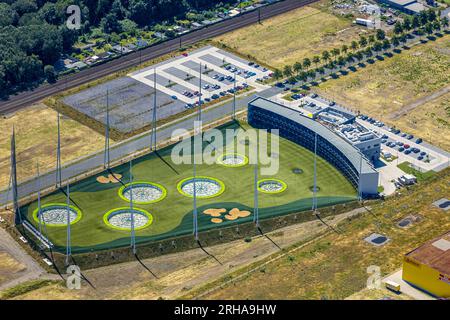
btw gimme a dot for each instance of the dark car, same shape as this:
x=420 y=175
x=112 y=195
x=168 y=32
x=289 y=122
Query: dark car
x=419 y=140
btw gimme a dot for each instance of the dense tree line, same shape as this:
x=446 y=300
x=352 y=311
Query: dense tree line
x=33 y=33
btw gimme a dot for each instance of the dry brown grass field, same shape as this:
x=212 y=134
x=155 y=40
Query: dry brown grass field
x=8 y=266
x=334 y=267
x=293 y=36
x=387 y=87
x=36 y=138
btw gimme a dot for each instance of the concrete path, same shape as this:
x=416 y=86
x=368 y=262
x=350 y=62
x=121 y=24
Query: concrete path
x=32 y=269
x=406 y=288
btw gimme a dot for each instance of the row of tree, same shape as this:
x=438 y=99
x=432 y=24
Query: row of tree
x=33 y=33
x=365 y=47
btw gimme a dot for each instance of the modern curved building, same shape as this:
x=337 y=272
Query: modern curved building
x=292 y=125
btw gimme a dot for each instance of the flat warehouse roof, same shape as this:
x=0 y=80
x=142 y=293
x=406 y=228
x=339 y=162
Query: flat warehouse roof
x=350 y=152
x=401 y=2
x=434 y=253
x=416 y=7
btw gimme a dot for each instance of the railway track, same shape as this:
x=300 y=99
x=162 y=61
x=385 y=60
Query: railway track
x=27 y=98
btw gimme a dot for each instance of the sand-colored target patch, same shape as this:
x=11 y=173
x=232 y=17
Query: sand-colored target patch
x=111 y=178
x=115 y=178
x=231 y=217
x=244 y=213
x=238 y=213
x=215 y=212
x=216 y=220
x=103 y=180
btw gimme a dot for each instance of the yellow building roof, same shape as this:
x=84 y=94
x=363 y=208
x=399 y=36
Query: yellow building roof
x=434 y=253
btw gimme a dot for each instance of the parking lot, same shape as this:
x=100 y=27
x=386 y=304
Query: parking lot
x=221 y=74
x=131 y=98
x=406 y=147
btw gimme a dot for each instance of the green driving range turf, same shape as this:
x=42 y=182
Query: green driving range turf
x=172 y=215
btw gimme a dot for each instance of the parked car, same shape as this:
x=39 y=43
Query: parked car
x=419 y=140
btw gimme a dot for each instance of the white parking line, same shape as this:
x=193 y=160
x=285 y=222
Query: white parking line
x=168 y=91
x=195 y=73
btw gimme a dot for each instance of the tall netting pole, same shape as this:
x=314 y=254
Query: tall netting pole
x=153 y=132
x=39 y=216
x=68 y=237
x=58 y=155
x=106 y=160
x=195 y=213
x=234 y=98
x=200 y=95
x=255 y=196
x=133 y=235
x=314 y=206
x=17 y=215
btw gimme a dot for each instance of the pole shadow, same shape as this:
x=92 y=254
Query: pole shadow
x=209 y=254
x=143 y=265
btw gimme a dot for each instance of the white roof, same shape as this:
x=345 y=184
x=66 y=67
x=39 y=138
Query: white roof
x=442 y=244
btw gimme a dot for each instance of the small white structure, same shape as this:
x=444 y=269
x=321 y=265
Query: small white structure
x=392 y=285
x=233 y=12
x=386 y=154
x=365 y=22
x=407 y=179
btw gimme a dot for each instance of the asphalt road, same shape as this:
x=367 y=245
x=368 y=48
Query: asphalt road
x=27 y=98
